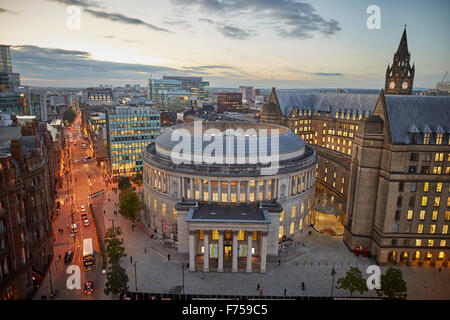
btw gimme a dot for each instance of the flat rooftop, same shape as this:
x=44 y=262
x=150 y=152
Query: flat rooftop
x=228 y=213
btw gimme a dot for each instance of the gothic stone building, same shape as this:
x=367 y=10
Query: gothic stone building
x=386 y=157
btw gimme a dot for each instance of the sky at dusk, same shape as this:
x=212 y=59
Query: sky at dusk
x=264 y=43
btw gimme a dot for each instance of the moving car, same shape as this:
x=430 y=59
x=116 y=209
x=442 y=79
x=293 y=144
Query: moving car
x=83 y=208
x=86 y=223
x=74 y=228
x=83 y=216
x=68 y=256
x=88 y=287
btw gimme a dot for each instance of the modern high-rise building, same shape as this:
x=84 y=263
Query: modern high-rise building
x=194 y=85
x=247 y=93
x=34 y=102
x=168 y=94
x=9 y=81
x=99 y=96
x=129 y=131
x=229 y=101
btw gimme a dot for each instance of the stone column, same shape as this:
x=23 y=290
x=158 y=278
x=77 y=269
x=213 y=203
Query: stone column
x=266 y=191
x=191 y=187
x=296 y=185
x=206 y=251
x=433 y=259
x=209 y=191
x=191 y=250
x=183 y=191
x=247 y=196
x=238 y=195
x=445 y=260
x=408 y=262
x=263 y=252
x=257 y=191
x=234 y=267
x=219 y=190
x=302 y=188
x=229 y=192
x=160 y=181
x=200 y=189
x=249 y=252
x=220 y=259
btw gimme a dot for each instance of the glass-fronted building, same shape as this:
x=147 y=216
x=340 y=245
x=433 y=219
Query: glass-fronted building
x=129 y=131
x=168 y=94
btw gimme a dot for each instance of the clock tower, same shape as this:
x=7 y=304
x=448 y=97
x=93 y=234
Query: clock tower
x=400 y=76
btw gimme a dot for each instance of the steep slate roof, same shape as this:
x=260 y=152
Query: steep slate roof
x=331 y=102
x=417 y=114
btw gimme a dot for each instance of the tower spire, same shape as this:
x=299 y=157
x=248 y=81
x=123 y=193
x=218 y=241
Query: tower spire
x=402 y=50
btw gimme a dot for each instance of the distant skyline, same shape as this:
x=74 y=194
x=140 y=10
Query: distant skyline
x=264 y=43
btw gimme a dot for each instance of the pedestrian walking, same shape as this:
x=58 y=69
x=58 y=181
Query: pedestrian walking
x=168 y=257
x=122 y=240
x=260 y=292
x=279 y=261
x=257 y=287
x=303 y=286
x=131 y=259
x=284 y=292
x=145 y=249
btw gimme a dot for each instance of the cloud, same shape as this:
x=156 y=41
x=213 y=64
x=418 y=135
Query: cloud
x=177 y=23
x=289 y=18
x=78 y=66
x=230 y=31
x=2 y=10
x=115 y=17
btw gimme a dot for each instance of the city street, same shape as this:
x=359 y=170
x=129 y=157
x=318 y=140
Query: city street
x=82 y=178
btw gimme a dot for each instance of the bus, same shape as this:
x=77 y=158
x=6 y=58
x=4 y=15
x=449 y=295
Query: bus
x=88 y=254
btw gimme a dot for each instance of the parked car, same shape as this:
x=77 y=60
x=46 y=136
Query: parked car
x=88 y=287
x=83 y=216
x=73 y=227
x=86 y=223
x=68 y=256
x=83 y=209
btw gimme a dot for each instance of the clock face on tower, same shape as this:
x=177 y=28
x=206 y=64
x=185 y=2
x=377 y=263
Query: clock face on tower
x=405 y=85
x=392 y=85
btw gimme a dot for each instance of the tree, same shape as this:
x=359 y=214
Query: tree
x=116 y=281
x=353 y=281
x=69 y=115
x=138 y=180
x=392 y=284
x=130 y=205
x=109 y=234
x=114 y=251
x=124 y=183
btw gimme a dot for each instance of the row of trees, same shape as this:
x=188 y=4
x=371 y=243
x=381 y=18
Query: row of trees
x=129 y=207
x=392 y=284
x=116 y=277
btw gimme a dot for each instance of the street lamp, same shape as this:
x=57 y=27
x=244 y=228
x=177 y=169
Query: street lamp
x=333 y=272
x=182 y=268
x=135 y=276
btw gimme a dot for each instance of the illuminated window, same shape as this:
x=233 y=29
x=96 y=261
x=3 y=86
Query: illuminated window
x=420 y=228
x=202 y=235
x=175 y=214
x=426 y=138
x=410 y=214
x=215 y=197
x=418 y=242
x=242 y=197
x=292 y=228
x=430 y=243
x=442 y=244
x=437 y=201
x=447 y=215
x=293 y=211
x=282 y=216
x=445 y=229
x=281 y=232
x=432 y=228
x=439 y=187
x=197 y=195
x=205 y=196
x=155 y=206
x=252 y=197
x=425 y=187
x=422 y=215
x=252 y=183
x=439 y=157
x=224 y=197
x=424 y=201
x=215 y=235
x=163 y=209
x=435 y=215
x=241 y=235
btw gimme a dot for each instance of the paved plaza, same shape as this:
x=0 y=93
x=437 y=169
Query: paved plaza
x=310 y=261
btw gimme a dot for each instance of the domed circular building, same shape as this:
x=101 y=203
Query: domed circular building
x=228 y=192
